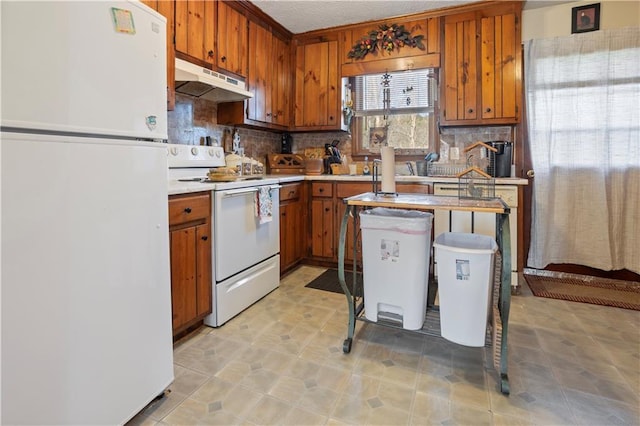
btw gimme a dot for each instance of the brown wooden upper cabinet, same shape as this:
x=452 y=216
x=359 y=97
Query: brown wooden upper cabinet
x=166 y=9
x=268 y=79
x=195 y=30
x=269 y=71
x=480 y=80
x=318 y=91
x=232 y=33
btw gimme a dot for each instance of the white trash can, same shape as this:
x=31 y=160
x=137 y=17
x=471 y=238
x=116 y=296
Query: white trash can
x=465 y=265
x=395 y=263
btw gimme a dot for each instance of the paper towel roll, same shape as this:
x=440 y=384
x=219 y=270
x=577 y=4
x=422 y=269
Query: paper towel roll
x=388 y=169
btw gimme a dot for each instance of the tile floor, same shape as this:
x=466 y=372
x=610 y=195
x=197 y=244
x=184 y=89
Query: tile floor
x=281 y=363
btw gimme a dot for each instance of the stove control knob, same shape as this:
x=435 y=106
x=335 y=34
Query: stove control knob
x=212 y=152
x=218 y=153
x=194 y=151
x=174 y=150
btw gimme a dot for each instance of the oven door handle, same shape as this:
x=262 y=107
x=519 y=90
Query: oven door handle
x=245 y=191
x=238 y=192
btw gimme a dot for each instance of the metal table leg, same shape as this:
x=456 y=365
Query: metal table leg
x=351 y=302
x=504 y=241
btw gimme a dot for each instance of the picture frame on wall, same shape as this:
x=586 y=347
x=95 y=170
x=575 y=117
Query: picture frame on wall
x=585 y=18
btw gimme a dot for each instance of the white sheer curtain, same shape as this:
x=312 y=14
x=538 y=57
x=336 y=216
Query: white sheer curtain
x=583 y=112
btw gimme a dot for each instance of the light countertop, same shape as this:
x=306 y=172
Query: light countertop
x=176 y=187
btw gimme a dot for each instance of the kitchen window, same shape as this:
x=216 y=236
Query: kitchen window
x=395 y=109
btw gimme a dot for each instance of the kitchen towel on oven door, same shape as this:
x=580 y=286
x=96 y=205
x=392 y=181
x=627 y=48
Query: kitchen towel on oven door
x=264 y=204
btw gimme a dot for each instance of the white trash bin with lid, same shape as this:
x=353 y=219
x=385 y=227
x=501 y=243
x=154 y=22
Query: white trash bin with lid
x=465 y=265
x=395 y=263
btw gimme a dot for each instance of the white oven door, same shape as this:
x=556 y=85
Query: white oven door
x=236 y=294
x=240 y=240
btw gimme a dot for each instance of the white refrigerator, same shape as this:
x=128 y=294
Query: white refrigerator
x=85 y=278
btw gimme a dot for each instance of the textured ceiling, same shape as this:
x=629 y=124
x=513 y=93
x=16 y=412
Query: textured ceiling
x=299 y=16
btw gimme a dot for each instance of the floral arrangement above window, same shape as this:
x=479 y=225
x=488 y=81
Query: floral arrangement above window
x=387 y=38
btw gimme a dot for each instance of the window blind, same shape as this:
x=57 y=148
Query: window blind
x=410 y=92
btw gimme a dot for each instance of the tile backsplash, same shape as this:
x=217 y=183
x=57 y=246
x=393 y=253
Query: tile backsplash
x=193 y=119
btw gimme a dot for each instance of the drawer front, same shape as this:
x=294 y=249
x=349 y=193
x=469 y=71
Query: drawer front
x=509 y=194
x=345 y=190
x=322 y=189
x=413 y=188
x=189 y=208
x=290 y=191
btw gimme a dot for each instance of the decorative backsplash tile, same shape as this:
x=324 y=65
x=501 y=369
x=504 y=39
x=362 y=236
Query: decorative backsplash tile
x=193 y=119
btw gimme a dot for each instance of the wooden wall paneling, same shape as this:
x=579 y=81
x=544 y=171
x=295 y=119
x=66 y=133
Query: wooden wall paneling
x=208 y=23
x=433 y=35
x=469 y=65
x=195 y=26
x=334 y=92
x=490 y=59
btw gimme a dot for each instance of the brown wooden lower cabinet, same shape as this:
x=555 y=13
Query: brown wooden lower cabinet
x=190 y=251
x=327 y=210
x=293 y=224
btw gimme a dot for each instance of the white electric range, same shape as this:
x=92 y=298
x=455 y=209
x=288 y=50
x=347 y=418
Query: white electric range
x=246 y=238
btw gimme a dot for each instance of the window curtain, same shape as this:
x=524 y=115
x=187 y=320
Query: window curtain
x=583 y=112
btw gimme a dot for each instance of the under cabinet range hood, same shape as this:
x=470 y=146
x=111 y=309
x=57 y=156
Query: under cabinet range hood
x=194 y=80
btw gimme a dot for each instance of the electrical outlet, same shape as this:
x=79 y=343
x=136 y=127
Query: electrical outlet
x=454 y=153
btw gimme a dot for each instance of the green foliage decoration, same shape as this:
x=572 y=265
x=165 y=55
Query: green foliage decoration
x=386 y=38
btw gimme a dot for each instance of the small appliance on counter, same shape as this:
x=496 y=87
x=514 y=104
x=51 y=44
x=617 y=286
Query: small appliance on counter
x=286 y=143
x=500 y=161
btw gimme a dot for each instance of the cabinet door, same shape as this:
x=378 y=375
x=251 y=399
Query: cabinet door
x=281 y=83
x=498 y=52
x=232 y=36
x=287 y=236
x=322 y=228
x=195 y=29
x=344 y=190
x=481 y=81
x=318 y=94
x=260 y=72
x=204 y=289
x=459 y=83
x=183 y=276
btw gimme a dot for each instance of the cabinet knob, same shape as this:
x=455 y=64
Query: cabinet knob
x=327 y=209
x=470 y=110
x=488 y=109
x=210 y=53
x=331 y=118
x=321 y=190
x=223 y=59
x=205 y=238
x=268 y=114
x=187 y=210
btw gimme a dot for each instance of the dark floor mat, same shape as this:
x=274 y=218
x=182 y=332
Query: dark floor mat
x=585 y=289
x=328 y=281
